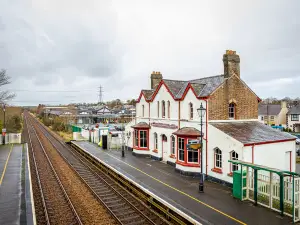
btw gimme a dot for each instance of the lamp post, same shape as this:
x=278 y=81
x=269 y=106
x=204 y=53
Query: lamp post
x=201 y=111
x=123 y=140
x=128 y=134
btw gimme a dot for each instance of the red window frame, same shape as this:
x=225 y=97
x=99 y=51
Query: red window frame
x=185 y=162
x=138 y=147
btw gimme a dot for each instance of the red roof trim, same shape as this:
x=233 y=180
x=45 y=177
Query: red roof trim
x=269 y=142
x=176 y=99
x=158 y=88
x=140 y=97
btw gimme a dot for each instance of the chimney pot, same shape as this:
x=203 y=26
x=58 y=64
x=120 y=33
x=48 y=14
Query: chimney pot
x=231 y=63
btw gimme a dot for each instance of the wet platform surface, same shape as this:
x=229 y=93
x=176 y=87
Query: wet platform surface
x=215 y=206
x=14 y=196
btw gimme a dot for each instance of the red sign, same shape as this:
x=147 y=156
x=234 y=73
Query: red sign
x=164 y=125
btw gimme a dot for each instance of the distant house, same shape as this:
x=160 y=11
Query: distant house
x=271 y=114
x=104 y=110
x=293 y=118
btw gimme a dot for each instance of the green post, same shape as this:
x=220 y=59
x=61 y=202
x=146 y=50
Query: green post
x=255 y=186
x=281 y=194
x=293 y=199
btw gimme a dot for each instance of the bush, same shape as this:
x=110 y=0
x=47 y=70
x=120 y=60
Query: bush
x=58 y=125
x=14 y=124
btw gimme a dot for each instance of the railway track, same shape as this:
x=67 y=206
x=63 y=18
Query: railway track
x=57 y=207
x=121 y=204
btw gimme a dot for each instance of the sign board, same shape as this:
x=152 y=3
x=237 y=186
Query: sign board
x=194 y=144
x=4 y=130
x=164 y=125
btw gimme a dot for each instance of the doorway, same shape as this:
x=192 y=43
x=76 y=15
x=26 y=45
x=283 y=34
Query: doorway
x=164 y=148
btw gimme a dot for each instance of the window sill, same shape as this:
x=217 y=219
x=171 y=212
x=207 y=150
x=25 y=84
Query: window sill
x=187 y=164
x=217 y=170
x=155 y=150
x=144 y=149
x=172 y=156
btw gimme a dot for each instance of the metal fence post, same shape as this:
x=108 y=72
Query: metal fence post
x=255 y=186
x=281 y=194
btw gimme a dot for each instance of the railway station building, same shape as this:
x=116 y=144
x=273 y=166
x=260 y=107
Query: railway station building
x=167 y=119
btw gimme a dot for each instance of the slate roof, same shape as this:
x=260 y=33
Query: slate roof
x=141 y=125
x=294 y=110
x=252 y=132
x=269 y=109
x=203 y=86
x=188 y=131
x=148 y=93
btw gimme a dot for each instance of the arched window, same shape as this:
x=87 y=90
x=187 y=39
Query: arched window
x=234 y=156
x=158 y=109
x=143 y=110
x=163 y=109
x=155 y=140
x=218 y=158
x=231 y=110
x=169 y=105
x=191 y=111
x=172 y=145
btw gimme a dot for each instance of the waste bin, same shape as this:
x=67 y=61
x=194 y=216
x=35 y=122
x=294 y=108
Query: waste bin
x=237 y=184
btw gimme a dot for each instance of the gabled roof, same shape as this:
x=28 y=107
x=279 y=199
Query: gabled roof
x=252 y=132
x=269 y=109
x=202 y=87
x=294 y=110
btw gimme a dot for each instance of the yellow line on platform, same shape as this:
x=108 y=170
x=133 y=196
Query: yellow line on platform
x=181 y=192
x=3 y=173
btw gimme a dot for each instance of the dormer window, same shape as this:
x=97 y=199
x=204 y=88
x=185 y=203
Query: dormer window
x=143 y=110
x=231 y=110
x=191 y=111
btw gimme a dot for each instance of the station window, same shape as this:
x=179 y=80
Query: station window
x=143 y=110
x=157 y=109
x=192 y=155
x=136 y=137
x=181 y=149
x=218 y=158
x=234 y=156
x=155 y=140
x=172 y=145
x=169 y=106
x=143 y=139
x=191 y=111
x=163 y=109
x=272 y=118
x=231 y=109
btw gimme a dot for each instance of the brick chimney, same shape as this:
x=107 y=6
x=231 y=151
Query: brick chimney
x=231 y=64
x=156 y=77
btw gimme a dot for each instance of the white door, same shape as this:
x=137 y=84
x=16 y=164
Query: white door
x=165 y=149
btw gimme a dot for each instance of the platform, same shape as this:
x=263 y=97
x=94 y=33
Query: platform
x=16 y=199
x=215 y=206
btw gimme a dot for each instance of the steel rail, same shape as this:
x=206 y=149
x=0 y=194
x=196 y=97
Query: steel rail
x=77 y=218
x=38 y=176
x=46 y=132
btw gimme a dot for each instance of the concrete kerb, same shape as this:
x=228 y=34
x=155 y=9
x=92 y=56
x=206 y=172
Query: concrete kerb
x=190 y=219
x=30 y=187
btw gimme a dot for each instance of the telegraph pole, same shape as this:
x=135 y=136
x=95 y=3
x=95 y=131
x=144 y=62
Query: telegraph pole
x=100 y=94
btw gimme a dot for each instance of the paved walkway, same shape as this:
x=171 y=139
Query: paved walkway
x=13 y=196
x=215 y=206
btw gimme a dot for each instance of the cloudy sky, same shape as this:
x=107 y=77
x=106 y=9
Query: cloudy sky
x=61 y=51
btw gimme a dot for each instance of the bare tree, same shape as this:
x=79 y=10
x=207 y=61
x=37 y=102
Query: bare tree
x=4 y=80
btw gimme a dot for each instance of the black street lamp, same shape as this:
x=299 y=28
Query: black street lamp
x=201 y=111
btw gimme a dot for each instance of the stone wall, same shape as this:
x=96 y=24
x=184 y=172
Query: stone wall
x=233 y=90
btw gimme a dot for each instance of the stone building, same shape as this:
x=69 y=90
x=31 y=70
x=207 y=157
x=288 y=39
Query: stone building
x=167 y=120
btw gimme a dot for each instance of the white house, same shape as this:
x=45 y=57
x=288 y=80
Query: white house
x=293 y=116
x=167 y=119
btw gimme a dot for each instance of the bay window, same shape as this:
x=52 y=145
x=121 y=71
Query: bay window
x=181 y=149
